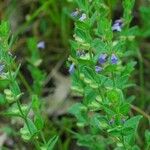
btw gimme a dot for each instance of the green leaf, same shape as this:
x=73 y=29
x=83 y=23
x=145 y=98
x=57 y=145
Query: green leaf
x=90 y=141
x=4 y=83
x=13 y=110
x=84 y=35
x=32 y=127
x=35 y=103
x=4 y=29
x=99 y=122
x=83 y=4
x=76 y=108
x=90 y=95
x=108 y=110
x=124 y=108
x=136 y=147
x=14 y=87
x=147 y=136
x=80 y=112
x=2 y=99
x=128 y=6
x=29 y=130
x=104 y=28
x=132 y=123
x=51 y=143
x=145 y=13
x=116 y=131
x=115 y=95
x=38 y=121
x=127 y=131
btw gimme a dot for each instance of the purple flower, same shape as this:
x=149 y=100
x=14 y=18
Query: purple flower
x=114 y=59
x=119 y=21
x=71 y=68
x=83 y=17
x=102 y=58
x=41 y=45
x=75 y=13
x=98 y=69
x=1 y=69
x=117 y=26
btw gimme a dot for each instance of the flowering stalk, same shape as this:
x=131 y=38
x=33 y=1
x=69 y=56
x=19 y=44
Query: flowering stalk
x=32 y=125
x=101 y=77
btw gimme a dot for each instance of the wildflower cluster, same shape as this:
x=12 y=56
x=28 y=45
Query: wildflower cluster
x=99 y=76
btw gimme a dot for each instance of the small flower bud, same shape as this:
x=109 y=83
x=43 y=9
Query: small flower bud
x=117 y=26
x=98 y=69
x=41 y=45
x=102 y=58
x=114 y=59
x=75 y=13
x=83 y=17
x=71 y=68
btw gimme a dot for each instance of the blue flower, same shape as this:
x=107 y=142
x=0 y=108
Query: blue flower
x=119 y=21
x=114 y=59
x=41 y=45
x=75 y=13
x=117 y=26
x=102 y=58
x=98 y=69
x=71 y=68
x=83 y=17
x=1 y=69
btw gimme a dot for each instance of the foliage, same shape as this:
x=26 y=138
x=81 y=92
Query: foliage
x=101 y=74
x=108 y=65
x=32 y=127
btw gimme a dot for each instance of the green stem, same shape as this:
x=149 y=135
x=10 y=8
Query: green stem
x=141 y=77
x=21 y=112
